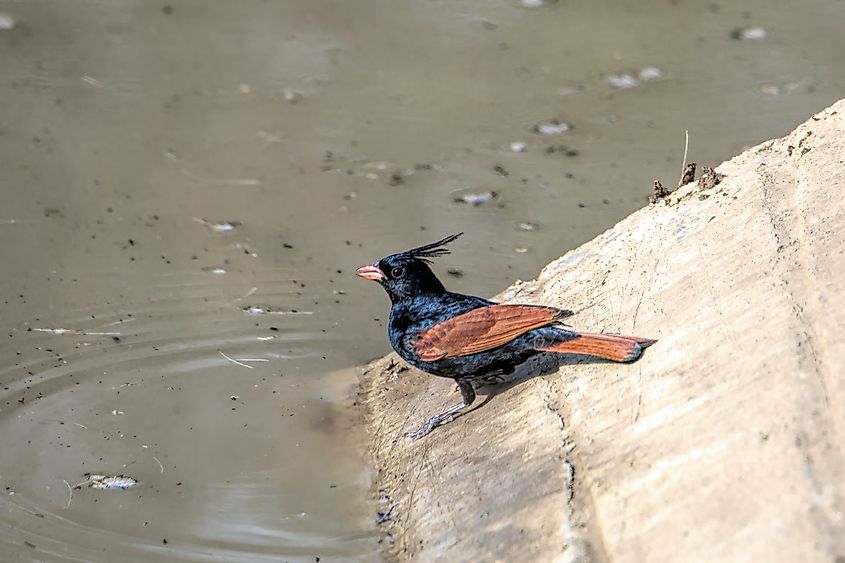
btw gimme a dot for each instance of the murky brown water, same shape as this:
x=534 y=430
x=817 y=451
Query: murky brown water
x=213 y=364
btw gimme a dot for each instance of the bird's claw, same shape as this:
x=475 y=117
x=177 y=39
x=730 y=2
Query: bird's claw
x=430 y=425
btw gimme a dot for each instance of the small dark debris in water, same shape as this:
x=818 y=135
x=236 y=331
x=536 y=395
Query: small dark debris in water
x=709 y=178
x=396 y=179
x=53 y=212
x=455 y=273
x=131 y=242
x=562 y=149
x=687 y=175
x=116 y=338
x=476 y=199
x=659 y=192
x=286 y=245
x=274 y=328
x=500 y=170
x=164 y=541
x=29 y=544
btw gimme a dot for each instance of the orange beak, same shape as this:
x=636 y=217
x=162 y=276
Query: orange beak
x=371 y=272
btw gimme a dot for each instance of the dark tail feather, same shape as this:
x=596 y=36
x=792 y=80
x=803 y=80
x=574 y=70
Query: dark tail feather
x=607 y=346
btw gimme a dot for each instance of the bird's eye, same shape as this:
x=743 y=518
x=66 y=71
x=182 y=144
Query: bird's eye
x=397 y=273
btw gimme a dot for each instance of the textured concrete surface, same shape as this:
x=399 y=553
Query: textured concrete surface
x=724 y=443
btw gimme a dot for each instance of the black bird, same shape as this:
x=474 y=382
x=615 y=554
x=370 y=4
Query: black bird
x=471 y=339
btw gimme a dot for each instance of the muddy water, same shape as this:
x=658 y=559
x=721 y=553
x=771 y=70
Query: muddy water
x=188 y=186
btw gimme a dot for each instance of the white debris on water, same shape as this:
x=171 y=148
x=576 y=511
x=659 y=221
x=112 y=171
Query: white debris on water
x=650 y=73
x=216 y=270
x=224 y=227
x=753 y=33
x=476 y=199
x=255 y=311
x=532 y=3
x=220 y=227
x=61 y=331
x=622 y=81
x=518 y=146
x=293 y=96
x=109 y=482
x=632 y=79
x=551 y=128
x=7 y=22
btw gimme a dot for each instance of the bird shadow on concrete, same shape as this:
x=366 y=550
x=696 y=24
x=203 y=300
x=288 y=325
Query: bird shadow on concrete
x=537 y=366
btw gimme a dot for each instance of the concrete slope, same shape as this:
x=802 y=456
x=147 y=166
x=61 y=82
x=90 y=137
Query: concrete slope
x=723 y=443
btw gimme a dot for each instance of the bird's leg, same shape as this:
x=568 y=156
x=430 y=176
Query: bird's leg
x=467 y=396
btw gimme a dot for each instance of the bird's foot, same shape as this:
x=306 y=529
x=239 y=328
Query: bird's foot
x=431 y=424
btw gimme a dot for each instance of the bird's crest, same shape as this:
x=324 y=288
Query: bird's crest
x=432 y=250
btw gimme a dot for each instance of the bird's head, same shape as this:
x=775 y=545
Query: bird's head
x=406 y=274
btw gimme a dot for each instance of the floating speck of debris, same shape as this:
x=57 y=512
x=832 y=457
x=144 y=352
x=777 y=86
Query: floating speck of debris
x=786 y=88
x=293 y=96
x=216 y=270
x=245 y=88
x=255 y=311
x=520 y=250
x=770 y=90
x=551 y=128
x=532 y=3
x=753 y=33
x=121 y=482
x=569 y=90
x=527 y=226
x=518 y=146
x=650 y=73
x=379 y=165
x=7 y=22
x=220 y=227
x=246 y=249
x=476 y=199
x=224 y=227
x=622 y=80
x=455 y=273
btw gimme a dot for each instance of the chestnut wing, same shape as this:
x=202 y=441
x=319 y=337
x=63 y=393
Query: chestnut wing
x=483 y=329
